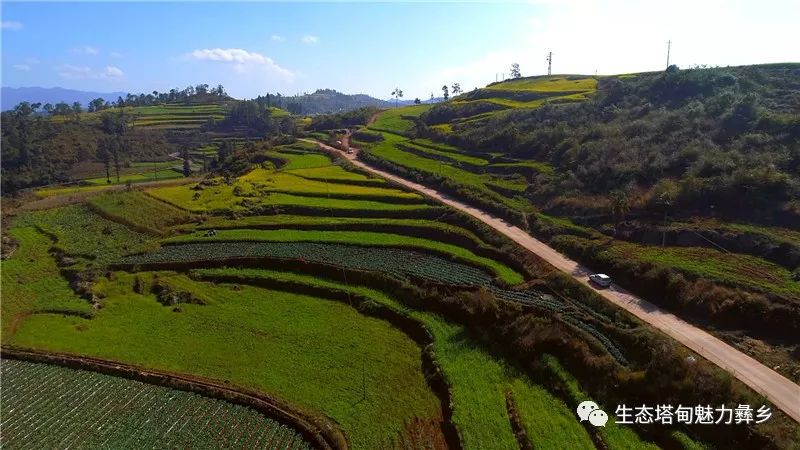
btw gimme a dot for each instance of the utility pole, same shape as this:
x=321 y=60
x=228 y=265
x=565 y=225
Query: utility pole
x=549 y=62
x=669 y=44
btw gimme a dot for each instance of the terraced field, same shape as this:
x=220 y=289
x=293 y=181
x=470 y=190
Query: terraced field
x=172 y=116
x=162 y=297
x=306 y=179
x=47 y=406
x=492 y=176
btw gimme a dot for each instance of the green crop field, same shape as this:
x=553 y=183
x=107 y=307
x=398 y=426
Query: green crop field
x=332 y=172
x=354 y=237
x=84 y=235
x=67 y=190
x=366 y=374
x=264 y=180
x=47 y=406
x=334 y=223
x=138 y=209
x=305 y=160
x=397 y=262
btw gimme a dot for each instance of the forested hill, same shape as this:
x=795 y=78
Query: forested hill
x=702 y=141
x=322 y=101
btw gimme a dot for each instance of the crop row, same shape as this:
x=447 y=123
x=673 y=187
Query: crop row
x=400 y=263
x=46 y=406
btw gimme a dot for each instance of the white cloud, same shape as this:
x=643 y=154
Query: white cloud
x=115 y=55
x=11 y=25
x=26 y=65
x=86 y=50
x=243 y=61
x=309 y=39
x=71 y=72
x=112 y=72
x=277 y=38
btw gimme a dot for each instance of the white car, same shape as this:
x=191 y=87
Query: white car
x=600 y=279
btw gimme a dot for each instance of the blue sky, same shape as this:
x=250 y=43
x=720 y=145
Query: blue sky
x=253 y=48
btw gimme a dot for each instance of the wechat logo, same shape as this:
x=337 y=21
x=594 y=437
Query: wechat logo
x=588 y=410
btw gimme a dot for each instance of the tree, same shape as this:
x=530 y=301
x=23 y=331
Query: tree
x=515 y=73
x=446 y=94
x=397 y=93
x=620 y=203
x=48 y=108
x=417 y=101
x=114 y=123
x=115 y=150
x=62 y=109
x=96 y=104
x=187 y=167
x=103 y=155
x=457 y=89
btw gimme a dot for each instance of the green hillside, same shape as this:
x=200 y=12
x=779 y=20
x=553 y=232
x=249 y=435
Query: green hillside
x=705 y=161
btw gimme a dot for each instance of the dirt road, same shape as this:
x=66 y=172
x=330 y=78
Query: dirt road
x=782 y=392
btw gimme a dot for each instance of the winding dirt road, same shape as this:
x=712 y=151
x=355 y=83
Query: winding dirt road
x=782 y=392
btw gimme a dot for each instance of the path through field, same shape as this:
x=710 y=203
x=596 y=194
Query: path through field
x=782 y=392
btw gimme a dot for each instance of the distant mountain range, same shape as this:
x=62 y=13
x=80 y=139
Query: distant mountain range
x=11 y=97
x=322 y=101
x=411 y=102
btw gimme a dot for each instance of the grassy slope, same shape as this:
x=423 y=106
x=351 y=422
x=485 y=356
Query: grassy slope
x=248 y=340
x=31 y=281
x=392 y=121
x=478 y=381
x=354 y=237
